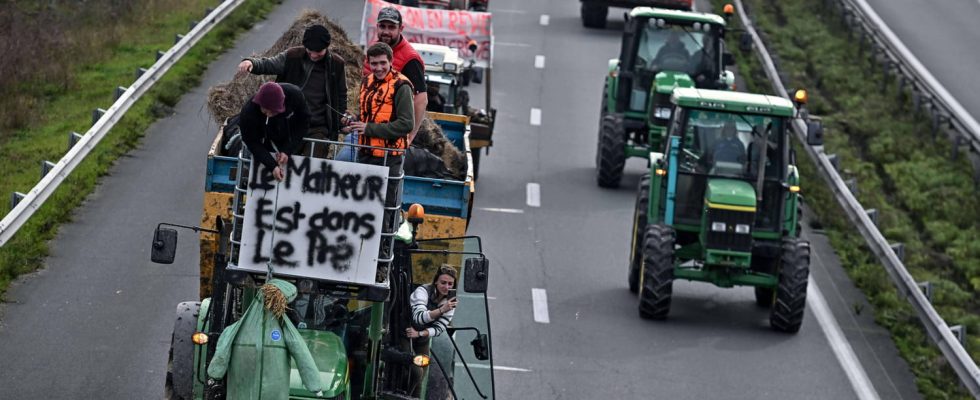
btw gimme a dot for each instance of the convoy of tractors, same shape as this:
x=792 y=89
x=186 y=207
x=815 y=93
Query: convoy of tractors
x=719 y=204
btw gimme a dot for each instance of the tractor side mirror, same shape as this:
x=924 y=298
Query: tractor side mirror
x=814 y=133
x=745 y=42
x=728 y=59
x=475 y=272
x=481 y=347
x=164 y=245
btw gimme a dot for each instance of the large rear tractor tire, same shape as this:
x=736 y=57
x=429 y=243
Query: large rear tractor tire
x=639 y=227
x=786 y=314
x=594 y=15
x=180 y=363
x=610 y=158
x=657 y=271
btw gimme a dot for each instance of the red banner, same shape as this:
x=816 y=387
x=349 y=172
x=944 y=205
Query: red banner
x=452 y=28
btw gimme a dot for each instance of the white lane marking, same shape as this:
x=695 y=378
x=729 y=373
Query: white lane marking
x=533 y=194
x=499 y=368
x=539 y=62
x=540 y=299
x=838 y=343
x=502 y=210
x=545 y=19
x=512 y=44
x=536 y=116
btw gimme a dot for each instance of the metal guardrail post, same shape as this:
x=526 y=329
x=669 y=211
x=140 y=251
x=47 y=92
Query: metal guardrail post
x=15 y=198
x=899 y=249
x=938 y=331
x=33 y=200
x=46 y=166
x=119 y=92
x=926 y=288
x=73 y=138
x=97 y=115
x=139 y=72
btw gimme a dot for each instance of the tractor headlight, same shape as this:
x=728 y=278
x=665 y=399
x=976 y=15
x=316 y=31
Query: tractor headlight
x=718 y=226
x=742 y=228
x=661 y=113
x=449 y=67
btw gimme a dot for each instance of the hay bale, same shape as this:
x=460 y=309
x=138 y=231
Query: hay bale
x=431 y=138
x=226 y=99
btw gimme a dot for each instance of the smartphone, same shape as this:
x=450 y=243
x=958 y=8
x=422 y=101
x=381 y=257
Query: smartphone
x=452 y=294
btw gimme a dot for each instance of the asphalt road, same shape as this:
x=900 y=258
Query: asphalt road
x=942 y=35
x=96 y=322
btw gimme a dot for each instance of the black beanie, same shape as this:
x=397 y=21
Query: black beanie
x=316 y=38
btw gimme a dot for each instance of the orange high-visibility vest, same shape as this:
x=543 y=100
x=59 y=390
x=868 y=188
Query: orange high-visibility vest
x=377 y=104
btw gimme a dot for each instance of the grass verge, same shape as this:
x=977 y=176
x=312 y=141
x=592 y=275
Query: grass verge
x=23 y=151
x=924 y=199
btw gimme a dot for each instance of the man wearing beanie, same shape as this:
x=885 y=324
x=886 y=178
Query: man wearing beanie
x=405 y=60
x=273 y=124
x=319 y=72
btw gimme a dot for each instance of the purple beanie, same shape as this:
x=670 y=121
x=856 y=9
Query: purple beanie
x=271 y=97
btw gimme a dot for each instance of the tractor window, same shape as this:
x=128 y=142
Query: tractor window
x=667 y=48
x=723 y=144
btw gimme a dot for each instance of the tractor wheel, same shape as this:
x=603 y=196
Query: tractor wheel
x=787 y=311
x=763 y=297
x=610 y=155
x=639 y=226
x=594 y=15
x=180 y=363
x=657 y=271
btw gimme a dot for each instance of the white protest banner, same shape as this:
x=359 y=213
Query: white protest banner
x=452 y=28
x=323 y=221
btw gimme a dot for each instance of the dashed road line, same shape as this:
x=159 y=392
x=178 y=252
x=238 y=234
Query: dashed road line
x=545 y=20
x=502 y=210
x=536 y=116
x=539 y=62
x=499 y=368
x=533 y=194
x=539 y=299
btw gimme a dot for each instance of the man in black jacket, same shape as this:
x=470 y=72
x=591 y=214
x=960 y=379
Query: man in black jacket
x=319 y=72
x=274 y=123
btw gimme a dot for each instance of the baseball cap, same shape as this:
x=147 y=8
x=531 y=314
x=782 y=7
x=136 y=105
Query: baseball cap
x=390 y=14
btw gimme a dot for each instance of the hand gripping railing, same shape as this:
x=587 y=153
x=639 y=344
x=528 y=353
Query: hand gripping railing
x=937 y=329
x=34 y=199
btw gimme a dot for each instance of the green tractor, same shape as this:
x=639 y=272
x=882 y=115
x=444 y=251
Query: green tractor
x=661 y=50
x=722 y=204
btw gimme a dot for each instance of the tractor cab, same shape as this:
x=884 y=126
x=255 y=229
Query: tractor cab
x=722 y=205
x=445 y=75
x=663 y=49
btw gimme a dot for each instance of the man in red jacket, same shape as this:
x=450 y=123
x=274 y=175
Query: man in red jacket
x=406 y=60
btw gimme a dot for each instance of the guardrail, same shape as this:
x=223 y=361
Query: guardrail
x=936 y=327
x=893 y=55
x=57 y=173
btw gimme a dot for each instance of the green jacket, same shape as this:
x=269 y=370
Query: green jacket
x=254 y=353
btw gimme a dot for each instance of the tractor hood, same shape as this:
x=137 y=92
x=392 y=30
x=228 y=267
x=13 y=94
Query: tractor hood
x=730 y=194
x=666 y=81
x=331 y=359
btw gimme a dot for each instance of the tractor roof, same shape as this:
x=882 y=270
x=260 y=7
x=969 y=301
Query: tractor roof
x=435 y=56
x=677 y=15
x=733 y=101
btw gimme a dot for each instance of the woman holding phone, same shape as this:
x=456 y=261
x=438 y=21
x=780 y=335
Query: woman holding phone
x=433 y=306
